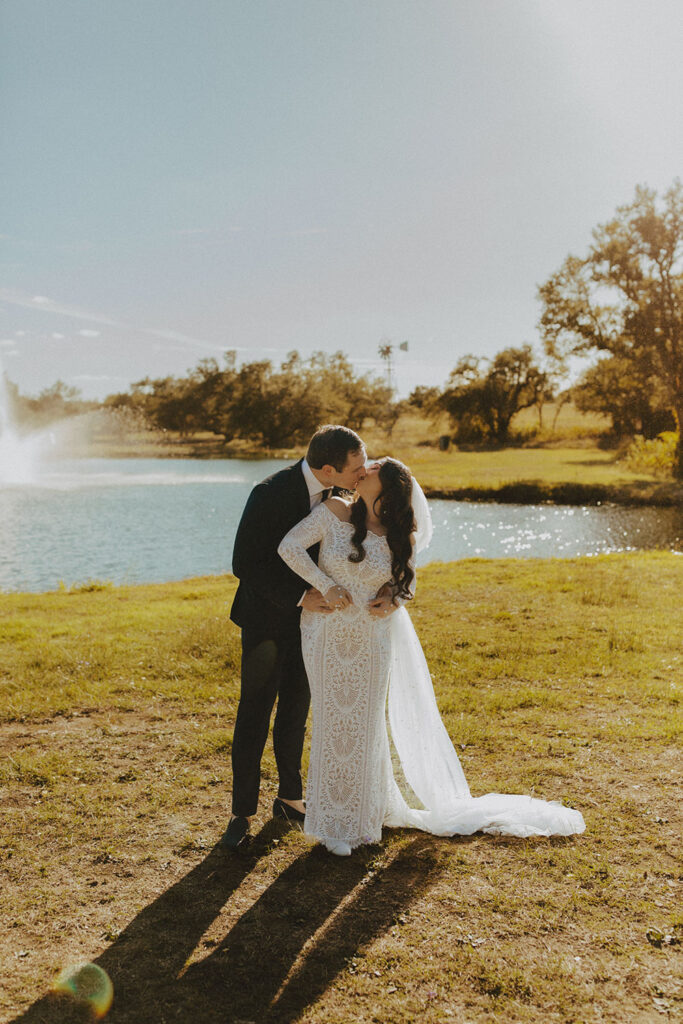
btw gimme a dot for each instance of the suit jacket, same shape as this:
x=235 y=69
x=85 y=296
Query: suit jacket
x=269 y=591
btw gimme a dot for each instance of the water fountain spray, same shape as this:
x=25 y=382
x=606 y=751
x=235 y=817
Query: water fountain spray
x=18 y=455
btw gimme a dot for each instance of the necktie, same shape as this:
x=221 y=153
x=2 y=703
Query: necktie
x=325 y=494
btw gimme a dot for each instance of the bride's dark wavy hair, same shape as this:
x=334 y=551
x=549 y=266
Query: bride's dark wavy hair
x=395 y=511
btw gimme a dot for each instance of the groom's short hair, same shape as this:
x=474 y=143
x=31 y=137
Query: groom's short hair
x=331 y=445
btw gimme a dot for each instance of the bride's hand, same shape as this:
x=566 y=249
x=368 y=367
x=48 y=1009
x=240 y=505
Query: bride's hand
x=381 y=606
x=338 y=598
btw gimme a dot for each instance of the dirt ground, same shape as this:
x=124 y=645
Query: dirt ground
x=419 y=928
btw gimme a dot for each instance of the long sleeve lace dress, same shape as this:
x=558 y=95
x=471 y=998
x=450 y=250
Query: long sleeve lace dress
x=353 y=660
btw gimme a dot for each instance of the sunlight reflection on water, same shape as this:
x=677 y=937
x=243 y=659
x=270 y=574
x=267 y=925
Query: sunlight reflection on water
x=150 y=520
x=466 y=530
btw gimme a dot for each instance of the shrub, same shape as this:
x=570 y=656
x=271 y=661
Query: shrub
x=656 y=456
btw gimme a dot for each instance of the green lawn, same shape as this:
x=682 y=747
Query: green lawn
x=558 y=678
x=543 y=466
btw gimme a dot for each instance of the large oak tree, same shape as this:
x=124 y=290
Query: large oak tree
x=625 y=297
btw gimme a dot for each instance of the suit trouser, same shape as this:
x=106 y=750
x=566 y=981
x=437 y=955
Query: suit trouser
x=272 y=667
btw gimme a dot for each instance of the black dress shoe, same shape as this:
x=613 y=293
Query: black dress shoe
x=286 y=811
x=236 y=834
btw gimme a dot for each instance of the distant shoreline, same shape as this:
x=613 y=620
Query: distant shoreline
x=663 y=495
x=577 y=473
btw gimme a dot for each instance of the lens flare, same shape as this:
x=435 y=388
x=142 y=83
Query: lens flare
x=87 y=984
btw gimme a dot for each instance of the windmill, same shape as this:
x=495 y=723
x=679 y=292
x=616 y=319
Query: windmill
x=386 y=352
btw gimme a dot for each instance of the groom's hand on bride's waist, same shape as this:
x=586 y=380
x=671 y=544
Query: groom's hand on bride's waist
x=338 y=598
x=313 y=601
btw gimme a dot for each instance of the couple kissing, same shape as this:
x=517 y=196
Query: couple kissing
x=325 y=557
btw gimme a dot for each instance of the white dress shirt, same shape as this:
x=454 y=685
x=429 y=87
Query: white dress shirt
x=315 y=488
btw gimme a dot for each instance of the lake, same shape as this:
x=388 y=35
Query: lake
x=153 y=520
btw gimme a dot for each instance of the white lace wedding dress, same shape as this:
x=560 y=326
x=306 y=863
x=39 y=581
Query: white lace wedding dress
x=353 y=660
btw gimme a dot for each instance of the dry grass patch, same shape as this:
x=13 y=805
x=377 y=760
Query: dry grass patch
x=558 y=678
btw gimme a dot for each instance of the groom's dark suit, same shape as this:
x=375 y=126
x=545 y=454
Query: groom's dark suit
x=266 y=609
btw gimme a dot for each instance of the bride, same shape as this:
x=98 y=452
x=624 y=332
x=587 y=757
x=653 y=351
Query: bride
x=366 y=648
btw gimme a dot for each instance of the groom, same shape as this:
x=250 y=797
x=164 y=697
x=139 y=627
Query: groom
x=267 y=608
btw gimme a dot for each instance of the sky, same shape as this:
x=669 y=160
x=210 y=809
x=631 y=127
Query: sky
x=184 y=177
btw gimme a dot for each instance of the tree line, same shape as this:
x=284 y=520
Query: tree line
x=621 y=303
x=274 y=406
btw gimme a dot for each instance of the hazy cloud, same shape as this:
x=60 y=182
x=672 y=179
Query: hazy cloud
x=166 y=335
x=89 y=334
x=17 y=298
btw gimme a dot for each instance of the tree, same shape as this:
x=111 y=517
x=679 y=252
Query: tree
x=249 y=407
x=634 y=402
x=625 y=297
x=294 y=406
x=514 y=382
x=462 y=398
x=427 y=400
x=345 y=397
x=482 y=401
x=213 y=393
x=170 y=404
x=53 y=403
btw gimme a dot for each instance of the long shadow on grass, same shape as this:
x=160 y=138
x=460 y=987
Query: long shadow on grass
x=150 y=953
x=289 y=947
x=280 y=956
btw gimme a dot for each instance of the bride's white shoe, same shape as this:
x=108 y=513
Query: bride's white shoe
x=338 y=847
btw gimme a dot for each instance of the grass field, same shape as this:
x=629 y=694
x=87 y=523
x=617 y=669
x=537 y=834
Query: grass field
x=491 y=471
x=558 y=678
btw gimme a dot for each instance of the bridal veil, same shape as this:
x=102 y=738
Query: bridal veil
x=428 y=759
